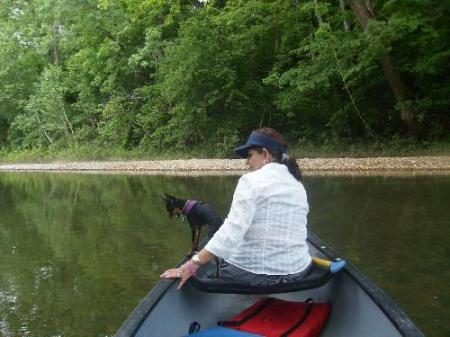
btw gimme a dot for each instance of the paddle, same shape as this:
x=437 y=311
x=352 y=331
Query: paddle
x=334 y=266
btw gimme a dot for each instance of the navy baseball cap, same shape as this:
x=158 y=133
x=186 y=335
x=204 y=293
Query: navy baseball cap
x=258 y=139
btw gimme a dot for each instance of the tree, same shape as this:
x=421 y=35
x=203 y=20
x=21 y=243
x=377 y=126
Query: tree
x=364 y=12
x=45 y=120
x=162 y=74
x=20 y=63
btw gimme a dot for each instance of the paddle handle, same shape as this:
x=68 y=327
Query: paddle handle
x=333 y=266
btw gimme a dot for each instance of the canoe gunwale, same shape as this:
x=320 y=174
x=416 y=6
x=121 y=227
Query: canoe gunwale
x=134 y=321
x=387 y=305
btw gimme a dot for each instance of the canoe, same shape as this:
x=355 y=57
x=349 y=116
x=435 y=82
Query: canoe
x=358 y=307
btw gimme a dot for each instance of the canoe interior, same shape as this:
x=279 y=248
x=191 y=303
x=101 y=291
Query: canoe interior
x=167 y=312
x=352 y=312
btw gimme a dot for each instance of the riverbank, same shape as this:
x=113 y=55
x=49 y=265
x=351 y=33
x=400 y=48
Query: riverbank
x=423 y=164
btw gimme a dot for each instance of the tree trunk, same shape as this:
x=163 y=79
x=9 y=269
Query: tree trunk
x=399 y=89
x=345 y=22
x=318 y=16
x=364 y=12
x=50 y=140
x=56 y=51
x=68 y=124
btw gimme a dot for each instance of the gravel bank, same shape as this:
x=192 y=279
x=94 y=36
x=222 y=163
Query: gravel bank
x=438 y=164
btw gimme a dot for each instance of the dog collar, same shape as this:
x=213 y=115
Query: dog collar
x=188 y=206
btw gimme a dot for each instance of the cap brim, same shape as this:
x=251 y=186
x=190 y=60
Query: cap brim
x=259 y=140
x=242 y=150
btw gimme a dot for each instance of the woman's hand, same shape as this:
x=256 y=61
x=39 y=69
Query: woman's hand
x=183 y=273
x=189 y=268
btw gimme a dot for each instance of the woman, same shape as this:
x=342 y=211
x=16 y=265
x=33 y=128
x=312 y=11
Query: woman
x=263 y=239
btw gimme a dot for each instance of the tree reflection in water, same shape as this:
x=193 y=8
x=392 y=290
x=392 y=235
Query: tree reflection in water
x=78 y=252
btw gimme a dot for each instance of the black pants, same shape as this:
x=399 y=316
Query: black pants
x=231 y=273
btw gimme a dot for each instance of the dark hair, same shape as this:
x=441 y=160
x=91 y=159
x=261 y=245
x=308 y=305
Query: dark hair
x=282 y=158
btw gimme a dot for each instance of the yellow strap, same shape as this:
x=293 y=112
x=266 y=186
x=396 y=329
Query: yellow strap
x=321 y=262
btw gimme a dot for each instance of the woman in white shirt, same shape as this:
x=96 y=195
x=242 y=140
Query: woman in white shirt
x=263 y=238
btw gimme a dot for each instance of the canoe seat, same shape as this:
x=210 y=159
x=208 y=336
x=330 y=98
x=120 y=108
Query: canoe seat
x=316 y=277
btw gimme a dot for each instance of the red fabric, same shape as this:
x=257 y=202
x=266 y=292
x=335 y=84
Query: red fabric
x=279 y=316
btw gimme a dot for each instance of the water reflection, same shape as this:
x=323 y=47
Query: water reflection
x=78 y=252
x=396 y=230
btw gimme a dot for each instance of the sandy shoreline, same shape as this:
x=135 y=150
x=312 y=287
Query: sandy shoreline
x=377 y=165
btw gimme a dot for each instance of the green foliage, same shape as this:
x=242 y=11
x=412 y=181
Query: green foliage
x=45 y=120
x=420 y=34
x=164 y=75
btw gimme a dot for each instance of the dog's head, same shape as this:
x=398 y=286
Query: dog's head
x=174 y=205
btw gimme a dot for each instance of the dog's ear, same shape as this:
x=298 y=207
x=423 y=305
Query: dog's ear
x=169 y=197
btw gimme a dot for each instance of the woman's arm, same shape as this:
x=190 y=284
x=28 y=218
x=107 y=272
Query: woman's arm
x=238 y=221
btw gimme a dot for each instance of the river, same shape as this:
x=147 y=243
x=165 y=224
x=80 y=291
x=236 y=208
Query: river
x=78 y=252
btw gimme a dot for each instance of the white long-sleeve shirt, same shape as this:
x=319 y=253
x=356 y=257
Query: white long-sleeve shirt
x=265 y=230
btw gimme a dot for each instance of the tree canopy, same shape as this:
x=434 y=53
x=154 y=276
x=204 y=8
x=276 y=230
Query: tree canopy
x=166 y=74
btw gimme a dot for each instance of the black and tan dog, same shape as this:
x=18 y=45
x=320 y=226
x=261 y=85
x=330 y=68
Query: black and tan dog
x=197 y=213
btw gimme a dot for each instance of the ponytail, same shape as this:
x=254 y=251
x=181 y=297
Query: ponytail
x=291 y=164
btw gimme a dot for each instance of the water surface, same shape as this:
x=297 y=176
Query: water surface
x=78 y=252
